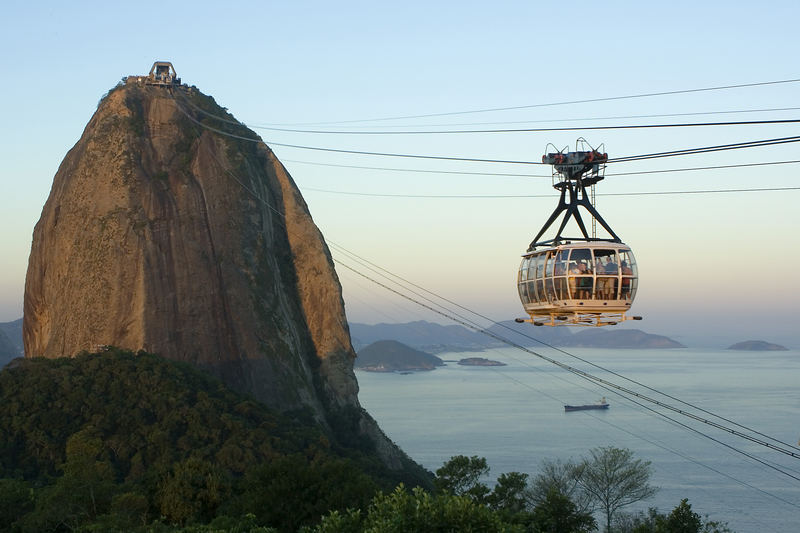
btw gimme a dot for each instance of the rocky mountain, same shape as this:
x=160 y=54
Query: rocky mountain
x=172 y=228
x=393 y=356
x=757 y=346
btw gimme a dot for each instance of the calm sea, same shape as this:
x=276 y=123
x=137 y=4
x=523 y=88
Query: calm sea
x=514 y=416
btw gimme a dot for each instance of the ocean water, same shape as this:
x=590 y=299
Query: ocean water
x=514 y=416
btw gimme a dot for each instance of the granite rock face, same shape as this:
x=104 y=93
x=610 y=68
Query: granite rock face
x=162 y=233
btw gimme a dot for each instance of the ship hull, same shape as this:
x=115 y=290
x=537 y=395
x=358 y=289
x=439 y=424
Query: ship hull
x=569 y=408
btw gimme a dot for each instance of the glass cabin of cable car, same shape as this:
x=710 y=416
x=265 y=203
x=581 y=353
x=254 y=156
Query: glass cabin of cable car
x=580 y=283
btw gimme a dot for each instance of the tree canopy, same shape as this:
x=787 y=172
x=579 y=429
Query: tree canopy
x=125 y=438
x=613 y=479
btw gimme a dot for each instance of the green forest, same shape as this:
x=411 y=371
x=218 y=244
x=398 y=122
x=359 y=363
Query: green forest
x=123 y=441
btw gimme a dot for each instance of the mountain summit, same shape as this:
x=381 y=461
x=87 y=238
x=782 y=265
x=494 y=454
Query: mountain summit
x=172 y=228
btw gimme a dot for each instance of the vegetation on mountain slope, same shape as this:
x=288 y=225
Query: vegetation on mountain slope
x=124 y=438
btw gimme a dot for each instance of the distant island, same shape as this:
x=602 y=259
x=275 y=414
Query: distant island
x=393 y=356
x=757 y=346
x=479 y=361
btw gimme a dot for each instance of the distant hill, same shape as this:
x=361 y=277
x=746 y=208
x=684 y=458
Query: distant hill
x=757 y=346
x=13 y=331
x=435 y=338
x=393 y=356
x=7 y=349
x=620 y=338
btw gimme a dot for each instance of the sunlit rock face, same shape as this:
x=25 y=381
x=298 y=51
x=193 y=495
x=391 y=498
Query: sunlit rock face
x=162 y=234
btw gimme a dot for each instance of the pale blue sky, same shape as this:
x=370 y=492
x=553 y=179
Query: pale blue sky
x=710 y=264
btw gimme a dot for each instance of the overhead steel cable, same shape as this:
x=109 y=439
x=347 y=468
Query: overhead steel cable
x=422 y=171
x=585 y=119
x=387 y=274
x=688 y=151
x=606 y=384
x=602 y=420
x=706 y=149
x=538 y=130
x=669 y=420
x=599 y=380
x=341 y=151
x=535 y=130
x=504 y=130
x=517 y=196
x=518 y=175
x=476 y=327
x=712 y=167
x=699 y=463
x=779 y=468
x=687 y=427
x=553 y=104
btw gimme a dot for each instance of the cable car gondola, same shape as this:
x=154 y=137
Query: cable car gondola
x=584 y=280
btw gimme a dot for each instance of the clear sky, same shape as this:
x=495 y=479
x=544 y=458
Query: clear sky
x=715 y=268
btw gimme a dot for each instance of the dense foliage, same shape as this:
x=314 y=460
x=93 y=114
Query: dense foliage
x=681 y=520
x=404 y=511
x=124 y=439
x=118 y=441
x=563 y=496
x=514 y=499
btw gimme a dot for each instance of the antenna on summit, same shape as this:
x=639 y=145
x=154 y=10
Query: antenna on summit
x=163 y=73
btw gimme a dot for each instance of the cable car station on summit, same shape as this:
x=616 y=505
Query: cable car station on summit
x=581 y=280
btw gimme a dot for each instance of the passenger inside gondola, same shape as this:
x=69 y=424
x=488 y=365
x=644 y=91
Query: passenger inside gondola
x=606 y=268
x=626 y=280
x=580 y=274
x=585 y=282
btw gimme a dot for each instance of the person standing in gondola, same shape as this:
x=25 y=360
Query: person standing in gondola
x=626 y=281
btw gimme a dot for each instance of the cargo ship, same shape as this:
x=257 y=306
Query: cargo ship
x=602 y=404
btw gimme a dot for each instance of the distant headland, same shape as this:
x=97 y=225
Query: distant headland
x=758 y=346
x=394 y=356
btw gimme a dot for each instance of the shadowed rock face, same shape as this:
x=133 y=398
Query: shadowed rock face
x=164 y=235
